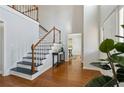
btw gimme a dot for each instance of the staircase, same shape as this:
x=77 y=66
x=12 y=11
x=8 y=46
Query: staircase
x=23 y=68
x=39 y=58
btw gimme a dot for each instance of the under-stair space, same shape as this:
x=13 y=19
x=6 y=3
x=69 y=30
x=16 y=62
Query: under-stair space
x=23 y=68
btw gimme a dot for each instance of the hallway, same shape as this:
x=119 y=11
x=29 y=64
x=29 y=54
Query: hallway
x=68 y=74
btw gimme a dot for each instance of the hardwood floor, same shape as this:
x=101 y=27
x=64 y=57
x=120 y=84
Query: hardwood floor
x=68 y=74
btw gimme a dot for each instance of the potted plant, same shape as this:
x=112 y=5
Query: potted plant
x=115 y=59
x=107 y=46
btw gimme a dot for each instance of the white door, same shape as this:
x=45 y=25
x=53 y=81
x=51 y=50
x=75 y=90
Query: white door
x=1 y=47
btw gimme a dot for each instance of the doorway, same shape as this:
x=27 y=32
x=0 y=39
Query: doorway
x=74 y=45
x=1 y=46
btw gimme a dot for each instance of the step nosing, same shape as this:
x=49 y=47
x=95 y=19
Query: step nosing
x=23 y=70
x=34 y=58
x=29 y=63
x=37 y=53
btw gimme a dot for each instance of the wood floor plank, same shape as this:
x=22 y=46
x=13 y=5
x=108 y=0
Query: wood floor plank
x=68 y=74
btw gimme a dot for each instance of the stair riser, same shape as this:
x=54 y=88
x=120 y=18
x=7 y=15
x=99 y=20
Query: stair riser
x=44 y=47
x=47 y=43
x=29 y=67
x=25 y=76
x=38 y=57
x=42 y=51
x=30 y=55
x=47 y=51
x=29 y=77
x=30 y=60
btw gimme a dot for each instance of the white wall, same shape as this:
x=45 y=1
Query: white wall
x=77 y=19
x=90 y=35
x=76 y=43
x=94 y=15
x=109 y=23
x=110 y=27
x=19 y=34
x=67 y=18
x=105 y=10
x=1 y=46
x=0 y=49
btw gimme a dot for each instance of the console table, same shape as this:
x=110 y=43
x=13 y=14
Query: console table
x=59 y=57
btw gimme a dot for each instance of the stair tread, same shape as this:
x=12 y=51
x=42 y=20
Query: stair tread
x=39 y=53
x=45 y=45
x=23 y=70
x=28 y=63
x=34 y=58
x=43 y=49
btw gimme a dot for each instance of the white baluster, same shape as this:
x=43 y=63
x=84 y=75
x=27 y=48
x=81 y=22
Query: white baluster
x=40 y=53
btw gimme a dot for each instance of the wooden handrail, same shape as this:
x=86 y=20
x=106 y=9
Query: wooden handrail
x=33 y=9
x=27 y=10
x=119 y=36
x=13 y=6
x=42 y=38
x=57 y=29
x=43 y=28
x=39 y=41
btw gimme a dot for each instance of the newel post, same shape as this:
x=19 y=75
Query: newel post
x=33 y=66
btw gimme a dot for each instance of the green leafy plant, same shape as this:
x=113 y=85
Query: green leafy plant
x=102 y=81
x=122 y=26
x=107 y=46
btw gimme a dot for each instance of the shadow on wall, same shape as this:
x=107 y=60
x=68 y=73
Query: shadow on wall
x=89 y=58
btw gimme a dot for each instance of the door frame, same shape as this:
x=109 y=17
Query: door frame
x=81 y=43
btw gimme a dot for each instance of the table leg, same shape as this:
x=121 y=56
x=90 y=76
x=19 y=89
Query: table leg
x=53 y=60
x=57 y=59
